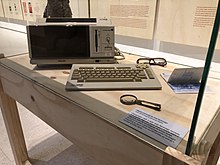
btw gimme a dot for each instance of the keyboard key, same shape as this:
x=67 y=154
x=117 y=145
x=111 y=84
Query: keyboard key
x=149 y=73
x=116 y=79
x=104 y=68
x=85 y=67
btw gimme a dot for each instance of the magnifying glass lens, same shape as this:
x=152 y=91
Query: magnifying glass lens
x=129 y=100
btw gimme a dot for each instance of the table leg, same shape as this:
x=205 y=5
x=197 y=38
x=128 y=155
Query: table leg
x=13 y=126
x=214 y=152
x=174 y=157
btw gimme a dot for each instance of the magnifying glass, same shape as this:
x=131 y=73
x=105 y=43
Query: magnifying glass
x=129 y=99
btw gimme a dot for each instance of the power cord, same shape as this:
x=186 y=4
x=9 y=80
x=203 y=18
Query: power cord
x=118 y=54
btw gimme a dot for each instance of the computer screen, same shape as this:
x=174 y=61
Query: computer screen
x=54 y=42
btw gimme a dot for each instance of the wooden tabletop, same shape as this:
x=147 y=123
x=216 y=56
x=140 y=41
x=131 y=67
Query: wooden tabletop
x=177 y=108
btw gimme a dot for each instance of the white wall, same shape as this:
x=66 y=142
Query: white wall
x=13 y=39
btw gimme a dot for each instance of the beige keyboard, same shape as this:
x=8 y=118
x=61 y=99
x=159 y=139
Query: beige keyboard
x=112 y=76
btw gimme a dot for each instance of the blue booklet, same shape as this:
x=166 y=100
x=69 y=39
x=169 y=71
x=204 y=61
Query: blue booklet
x=184 y=80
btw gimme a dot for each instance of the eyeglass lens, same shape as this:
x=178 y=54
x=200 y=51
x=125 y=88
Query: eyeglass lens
x=152 y=61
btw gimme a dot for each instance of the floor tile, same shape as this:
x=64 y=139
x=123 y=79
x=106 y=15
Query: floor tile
x=4 y=160
x=45 y=146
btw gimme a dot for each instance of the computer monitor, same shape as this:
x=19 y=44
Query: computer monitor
x=70 y=43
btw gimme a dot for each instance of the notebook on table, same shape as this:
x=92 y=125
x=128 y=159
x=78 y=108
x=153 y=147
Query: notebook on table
x=184 y=80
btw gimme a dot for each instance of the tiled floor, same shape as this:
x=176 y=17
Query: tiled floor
x=45 y=146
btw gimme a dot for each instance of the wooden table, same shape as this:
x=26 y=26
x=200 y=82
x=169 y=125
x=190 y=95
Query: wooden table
x=90 y=119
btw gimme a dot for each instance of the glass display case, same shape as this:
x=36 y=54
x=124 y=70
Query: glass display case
x=185 y=33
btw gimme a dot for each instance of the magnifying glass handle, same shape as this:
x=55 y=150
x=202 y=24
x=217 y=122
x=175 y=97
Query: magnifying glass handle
x=148 y=104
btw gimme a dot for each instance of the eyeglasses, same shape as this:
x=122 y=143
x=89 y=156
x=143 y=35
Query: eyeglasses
x=152 y=61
